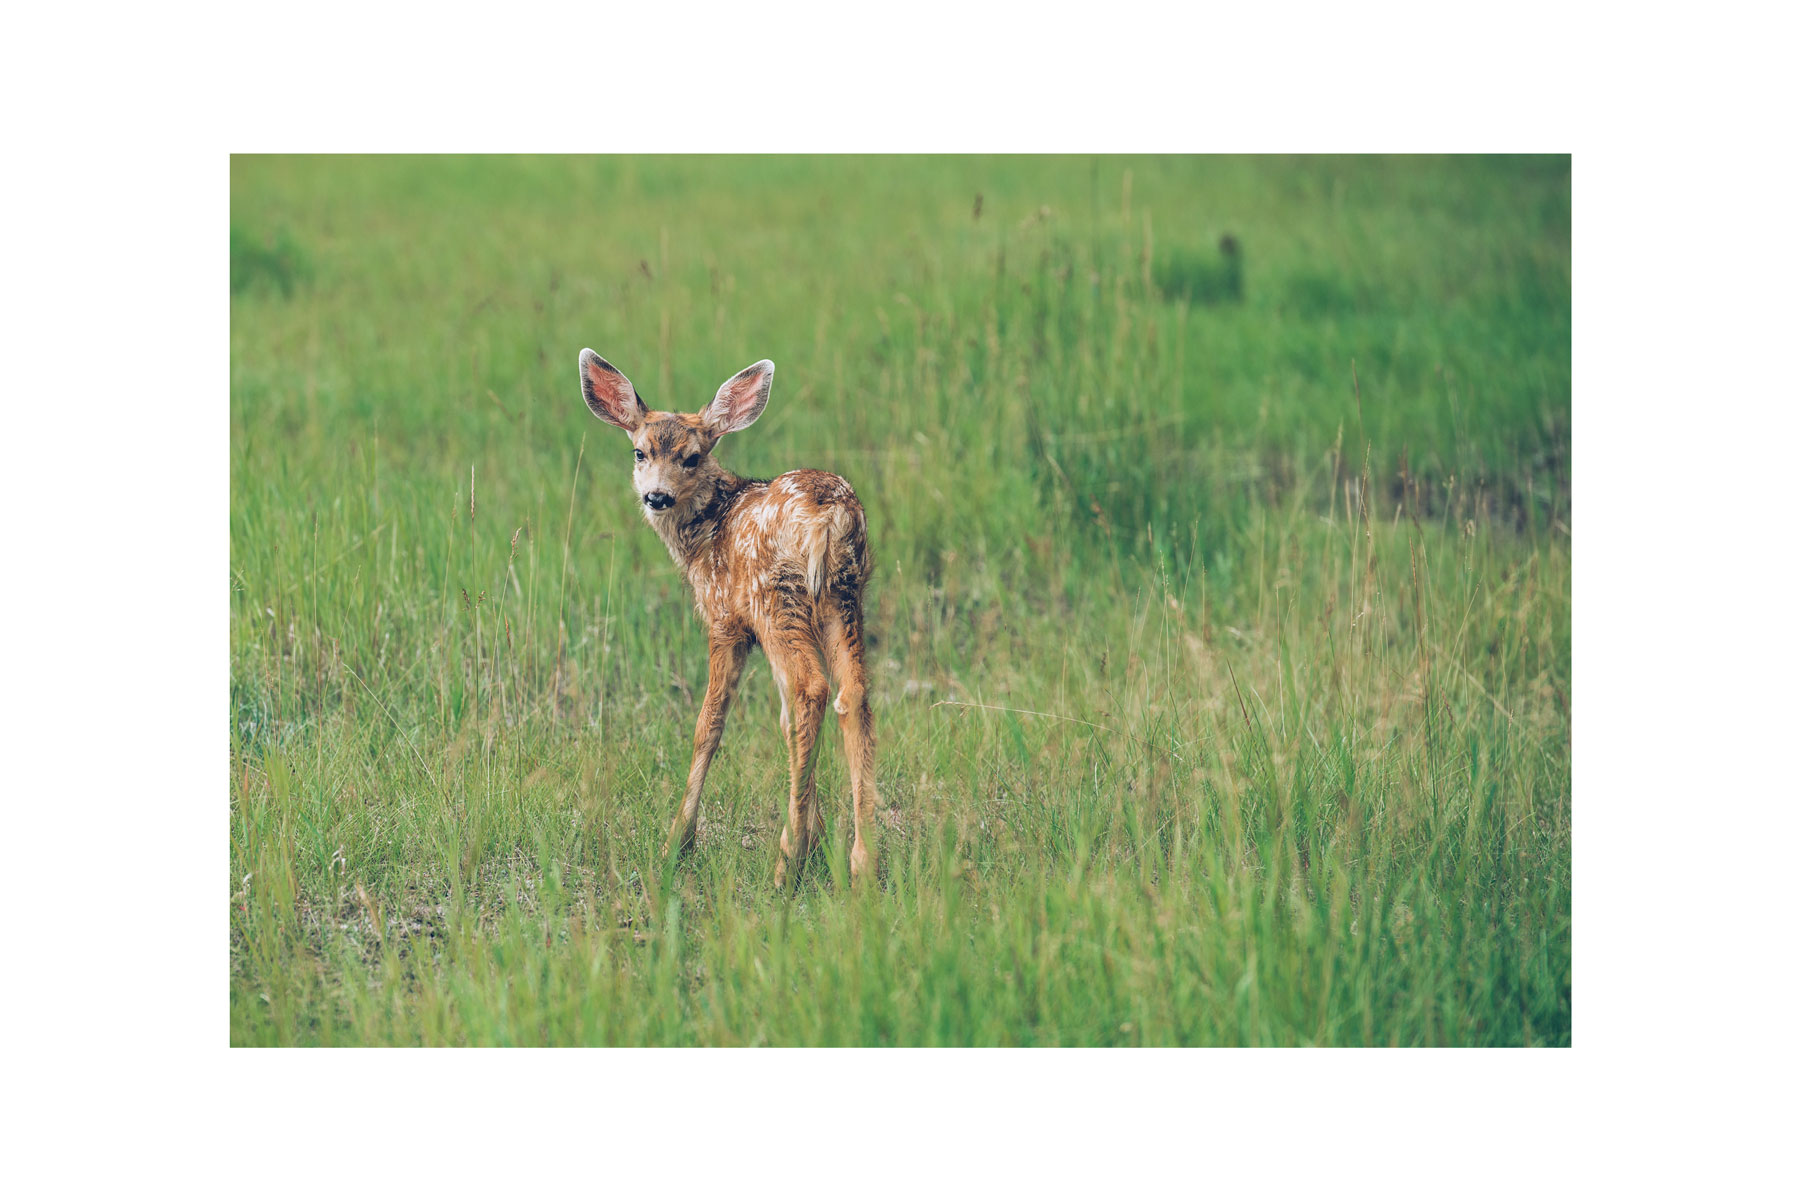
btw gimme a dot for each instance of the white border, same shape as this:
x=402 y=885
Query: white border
x=1685 y=272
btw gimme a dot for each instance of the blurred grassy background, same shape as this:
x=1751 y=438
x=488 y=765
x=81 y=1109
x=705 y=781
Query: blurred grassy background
x=1296 y=632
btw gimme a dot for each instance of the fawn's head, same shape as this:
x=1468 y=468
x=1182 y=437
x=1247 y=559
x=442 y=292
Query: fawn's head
x=672 y=452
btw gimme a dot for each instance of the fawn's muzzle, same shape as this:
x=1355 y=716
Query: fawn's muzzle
x=658 y=500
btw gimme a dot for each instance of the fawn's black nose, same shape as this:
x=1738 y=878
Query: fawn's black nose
x=658 y=500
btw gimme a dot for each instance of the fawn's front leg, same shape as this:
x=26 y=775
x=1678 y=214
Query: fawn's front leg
x=724 y=666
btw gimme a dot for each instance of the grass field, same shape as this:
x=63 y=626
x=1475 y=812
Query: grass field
x=1220 y=632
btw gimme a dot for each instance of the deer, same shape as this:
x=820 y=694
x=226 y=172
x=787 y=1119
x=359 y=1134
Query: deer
x=778 y=563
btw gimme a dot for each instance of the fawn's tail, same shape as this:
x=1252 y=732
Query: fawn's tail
x=835 y=554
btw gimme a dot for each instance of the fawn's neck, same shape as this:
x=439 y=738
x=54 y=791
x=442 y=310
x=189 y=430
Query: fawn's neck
x=689 y=528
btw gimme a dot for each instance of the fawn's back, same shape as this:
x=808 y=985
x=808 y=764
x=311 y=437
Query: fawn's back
x=784 y=549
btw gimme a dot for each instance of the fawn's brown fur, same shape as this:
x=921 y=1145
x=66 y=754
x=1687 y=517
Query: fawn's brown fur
x=780 y=563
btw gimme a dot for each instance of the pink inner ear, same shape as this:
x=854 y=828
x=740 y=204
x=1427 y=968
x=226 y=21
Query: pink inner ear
x=612 y=395
x=742 y=397
x=740 y=401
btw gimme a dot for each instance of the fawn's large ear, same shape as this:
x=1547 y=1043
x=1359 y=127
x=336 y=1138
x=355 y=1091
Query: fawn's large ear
x=741 y=399
x=609 y=394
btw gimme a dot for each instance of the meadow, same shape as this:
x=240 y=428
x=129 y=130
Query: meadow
x=1220 y=632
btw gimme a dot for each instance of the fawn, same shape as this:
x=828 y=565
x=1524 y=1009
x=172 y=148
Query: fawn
x=780 y=563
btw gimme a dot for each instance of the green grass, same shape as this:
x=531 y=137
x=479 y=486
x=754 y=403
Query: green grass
x=1222 y=690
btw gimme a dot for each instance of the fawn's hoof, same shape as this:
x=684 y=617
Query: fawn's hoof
x=788 y=869
x=793 y=858
x=862 y=864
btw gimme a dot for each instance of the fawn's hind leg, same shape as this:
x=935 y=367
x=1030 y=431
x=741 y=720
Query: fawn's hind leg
x=725 y=665
x=844 y=652
x=794 y=656
x=817 y=824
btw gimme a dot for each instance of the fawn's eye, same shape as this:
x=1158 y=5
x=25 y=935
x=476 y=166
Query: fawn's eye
x=691 y=461
x=638 y=454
